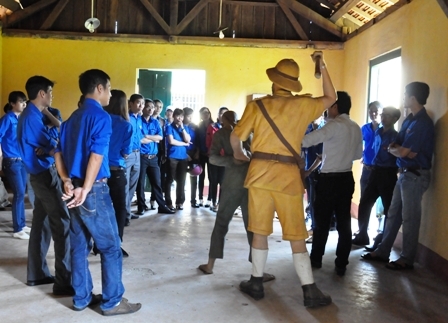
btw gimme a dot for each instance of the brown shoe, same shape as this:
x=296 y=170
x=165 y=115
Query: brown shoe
x=123 y=308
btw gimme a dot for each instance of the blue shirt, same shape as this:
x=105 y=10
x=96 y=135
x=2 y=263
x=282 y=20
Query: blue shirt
x=177 y=152
x=52 y=130
x=368 y=136
x=33 y=134
x=152 y=128
x=88 y=130
x=312 y=152
x=136 y=122
x=382 y=140
x=417 y=133
x=120 y=141
x=8 y=135
x=191 y=130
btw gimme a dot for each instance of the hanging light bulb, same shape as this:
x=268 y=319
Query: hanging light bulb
x=221 y=34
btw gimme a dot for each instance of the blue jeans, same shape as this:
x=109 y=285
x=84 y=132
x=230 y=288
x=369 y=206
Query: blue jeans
x=16 y=174
x=95 y=219
x=406 y=210
x=132 y=174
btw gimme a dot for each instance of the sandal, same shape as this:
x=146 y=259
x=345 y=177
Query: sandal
x=395 y=265
x=368 y=256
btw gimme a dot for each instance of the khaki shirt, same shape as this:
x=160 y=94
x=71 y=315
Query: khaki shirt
x=292 y=115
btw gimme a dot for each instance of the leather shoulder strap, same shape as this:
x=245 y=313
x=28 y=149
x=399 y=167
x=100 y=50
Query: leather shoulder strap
x=277 y=131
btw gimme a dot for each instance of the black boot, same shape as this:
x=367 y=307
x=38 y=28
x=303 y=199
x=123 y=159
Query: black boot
x=313 y=297
x=253 y=287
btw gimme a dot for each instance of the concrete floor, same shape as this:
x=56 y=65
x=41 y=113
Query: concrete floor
x=161 y=273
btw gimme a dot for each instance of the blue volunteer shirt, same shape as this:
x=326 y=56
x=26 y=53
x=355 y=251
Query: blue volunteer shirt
x=176 y=152
x=8 y=135
x=382 y=140
x=33 y=134
x=417 y=133
x=136 y=122
x=88 y=130
x=151 y=127
x=368 y=137
x=120 y=141
x=191 y=130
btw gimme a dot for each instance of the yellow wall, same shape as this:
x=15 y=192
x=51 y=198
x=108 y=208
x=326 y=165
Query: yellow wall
x=231 y=73
x=420 y=29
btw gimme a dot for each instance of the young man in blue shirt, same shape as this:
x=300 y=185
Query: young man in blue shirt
x=136 y=104
x=383 y=175
x=413 y=148
x=152 y=135
x=368 y=137
x=192 y=152
x=82 y=162
x=50 y=215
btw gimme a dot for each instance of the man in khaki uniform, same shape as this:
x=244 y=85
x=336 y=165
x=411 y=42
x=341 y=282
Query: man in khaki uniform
x=273 y=178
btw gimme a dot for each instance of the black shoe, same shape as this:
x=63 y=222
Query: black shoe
x=253 y=287
x=377 y=240
x=152 y=206
x=171 y=208
x=63 y=291
x=124 y=253
x=194 y=205
x=313 y=297
x=46 y=280
x=361 y=240
x=166 y=210
x=136 y=216
x=127 y=223
x=316 y=264
x=96 y=299
x=340 y=271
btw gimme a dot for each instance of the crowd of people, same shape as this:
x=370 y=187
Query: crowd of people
x=83 y=174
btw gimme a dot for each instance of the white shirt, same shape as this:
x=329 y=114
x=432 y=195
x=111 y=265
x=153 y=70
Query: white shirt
x=342 y=141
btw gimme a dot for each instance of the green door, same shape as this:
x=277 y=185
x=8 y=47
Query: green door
x=155 y=85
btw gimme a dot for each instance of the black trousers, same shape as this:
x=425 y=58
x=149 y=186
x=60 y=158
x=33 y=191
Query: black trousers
x=216 y=177
x=381 y=183
x=117 y=191
x=334 y=193
x=203 y=160
x=149 y=168
x=177 y=172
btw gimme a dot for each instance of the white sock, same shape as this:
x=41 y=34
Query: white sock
x=259 y=258
x=302 y=263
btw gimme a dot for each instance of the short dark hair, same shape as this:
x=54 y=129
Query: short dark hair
x=157 y=101
x=375 y=104
x=394 y=112
x=13 y=97
x=344 y=102
x=118 y=104
x=35 y=84
x=135 y=97
x=178 y=112
x=148 y=101
x=188 y=111
x=419 y=90
x=90 y=79
x=222 y=109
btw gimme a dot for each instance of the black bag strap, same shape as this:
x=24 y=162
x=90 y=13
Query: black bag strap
x=300 y=161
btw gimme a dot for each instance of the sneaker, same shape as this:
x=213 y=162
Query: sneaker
x=207 y=204
x=201 y=203
x=253 y=287
x=21 y=235
x=124 y=307
x=26 y=229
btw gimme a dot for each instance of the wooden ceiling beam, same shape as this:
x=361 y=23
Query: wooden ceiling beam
x=190 y=16
x=313 y=16
x=156 y=16
x=178 y=40
x=362 y=13
x=343 y=10
x=373 y=5
x=18 y=16
x=174 y=13
x=54 y=14
x=356 y=21
x=295 y=24
x=249 y=3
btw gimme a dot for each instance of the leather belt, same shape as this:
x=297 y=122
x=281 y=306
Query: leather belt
x=369 y=167
x=147 y=156
x=12 y=158
x=413 y=170
x=136 y=150
x=116 y=168
x=334 y=174
x=78 y=182
x=275 y=157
